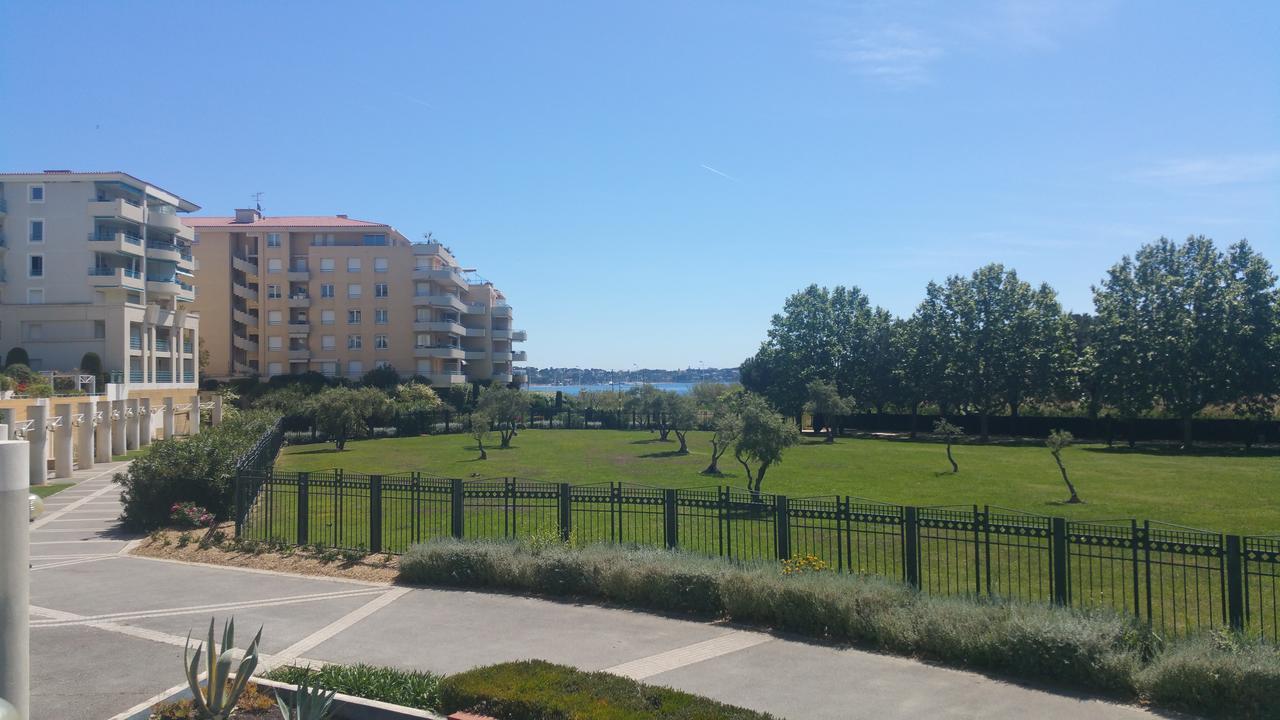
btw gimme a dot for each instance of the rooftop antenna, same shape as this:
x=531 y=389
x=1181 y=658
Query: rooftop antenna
x=428 y=237
x=257 y=200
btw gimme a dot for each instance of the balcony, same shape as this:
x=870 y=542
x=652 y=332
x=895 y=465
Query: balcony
x=244 y=318
x=476 y=309
x=188 y=347
x=165 y=218
x=449 y=302
x=502 y=310
x=188 y=376
x=244 y=343
x=240 y=368
x=299 y=354
x=299 y=301
x=519 y=336
x=434 y=248
x=162 y=344
x=519 y=356
x=501 y=334
x=164 y=286
x=165 y=251
x=135 y=342
x=502 y=356
x=500 y=377
x=299 y=328
x=445 y=275
x=298 y=272
x=121 y=243
x=476 y=355
x=117 y=208
x=244 y=265
x=443 y=326
x=242 y=291
x=186 y=292
x=116 y=277
x=440 y=351
x=445 y=379
x=164 y=376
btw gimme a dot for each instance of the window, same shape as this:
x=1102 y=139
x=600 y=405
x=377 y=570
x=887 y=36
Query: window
x=275 y=342
x=35 y=193
x=326 y=290
x=353 y=317
x=380 y=290
x=329 y=369
x=382 y=364
x=422 y=315
x=380 y=265
x=275 y=265
x=99 y=329
x=328 y=342
x=353 y=264
x=275 y=369
x=326 y=264
x=374 y=240
x=326 y=317
x=274 y=317
x=353 y=290
x=355 y=367
x=35 y=296
x=422 y=340
x=380 y=316
x=380 y=342
x=424 y=367
x=322 y=239
x=273 y=291
x=273 y=239
x=35 y=231
x=35 y=266
x=355 y=342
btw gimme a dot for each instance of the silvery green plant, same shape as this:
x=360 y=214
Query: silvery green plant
x=217 y=699
x=309 y=703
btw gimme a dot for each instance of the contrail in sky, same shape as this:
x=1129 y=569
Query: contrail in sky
x=727 y=176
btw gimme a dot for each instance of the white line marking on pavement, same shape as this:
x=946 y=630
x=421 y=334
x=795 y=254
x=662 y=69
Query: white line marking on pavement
x=51 y=613
x=196 y=609
x=98 y=518
x=76 y=556
x=670 y=660
x=343 y=623
x=64 y=563
x=72 y=542
x=41 y=522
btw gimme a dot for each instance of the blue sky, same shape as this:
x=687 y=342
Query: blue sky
x=648 y=181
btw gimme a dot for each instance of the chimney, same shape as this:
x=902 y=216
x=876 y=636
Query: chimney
x=249 y=215
x=342 y=215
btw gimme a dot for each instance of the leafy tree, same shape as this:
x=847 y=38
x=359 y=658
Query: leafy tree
x=1057 y=441
x=16 y=356
x=763 y=438
x=1120 y=347
x=344 y=413
x=707 y=395
x=1254 y=317
x=726 y=428
x=506 y=407
x=478 y=428
x=383 y=378
x=682 y=416
x=825 y=402
x=950 y=433
x=882 y=359
x=654 y=404
x=91 y=364
x=417 y=397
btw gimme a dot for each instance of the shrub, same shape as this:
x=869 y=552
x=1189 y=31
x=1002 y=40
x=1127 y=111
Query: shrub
x=1218 y=676
x=539 y=690
x=199 y=469
x=15 y=356
x=190 y=515
x=411 y=688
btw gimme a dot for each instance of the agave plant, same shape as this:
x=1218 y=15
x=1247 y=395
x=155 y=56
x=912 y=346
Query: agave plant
x=218 y=697
x=309 y=702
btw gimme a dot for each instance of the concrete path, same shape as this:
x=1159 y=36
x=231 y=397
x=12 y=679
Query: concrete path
x=108 y=630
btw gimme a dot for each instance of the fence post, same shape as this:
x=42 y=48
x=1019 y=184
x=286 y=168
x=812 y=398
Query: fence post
x=566 y=511
x=911 y=545
x=303 y=506
x=782 y=526
x=456 y=507
x=669 y=525
x=239 y=503
x=1235 y=582
x=375 y=513
x=1059 y=580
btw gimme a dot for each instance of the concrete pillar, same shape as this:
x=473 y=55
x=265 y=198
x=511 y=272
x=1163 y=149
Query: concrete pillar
x=195 y=354
x=151 y=353
x=38 y=440
x=168 y=418
x=118 y=431
x=145 y=422
x=216 y=416
x=84 y=436
x=134 y=425
x=62 y=441
x=15 y=577
x=193 y=422
x=102 y=441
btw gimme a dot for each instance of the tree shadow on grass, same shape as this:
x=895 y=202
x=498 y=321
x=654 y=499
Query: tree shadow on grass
x=1173 y=450
x=650 y=440
x=318 y=451
x=663 y=454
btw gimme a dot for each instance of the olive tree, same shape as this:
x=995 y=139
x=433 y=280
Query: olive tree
x=825 y=402
x=949 y=433
x=1057 y=441
x=682 y=416
x=344 y=413
x=506 y=407
x=478 y=428
x=763 y=437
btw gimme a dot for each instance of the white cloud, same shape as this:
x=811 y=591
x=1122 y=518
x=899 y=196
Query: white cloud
x=895 y=54
x=1211 y=170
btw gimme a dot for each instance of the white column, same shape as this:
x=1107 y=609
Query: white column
x=84 y=436
x=102 y=441
x=135 y=422
x=38 y=438
x=151 y=354
x=62 y=441
x=168 y=418
x=215 y=417
x=195 y=354
x=118 y=431
x=15 y=578
x=145 y=422
x=193 y=422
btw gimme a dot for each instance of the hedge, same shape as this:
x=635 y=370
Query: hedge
x=539 y=690
x=1093 y=650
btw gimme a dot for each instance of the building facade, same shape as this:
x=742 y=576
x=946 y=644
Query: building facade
x=98 y=262
x=340 y=296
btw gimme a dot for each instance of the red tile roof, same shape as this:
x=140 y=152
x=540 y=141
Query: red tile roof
x=282 y=221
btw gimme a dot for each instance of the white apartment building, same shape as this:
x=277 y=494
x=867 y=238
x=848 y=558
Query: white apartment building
x=98 y=262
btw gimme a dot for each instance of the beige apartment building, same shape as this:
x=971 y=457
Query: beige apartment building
x=98 y=262
x=340 y=296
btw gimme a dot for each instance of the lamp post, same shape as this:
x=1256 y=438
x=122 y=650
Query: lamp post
x=15 y=588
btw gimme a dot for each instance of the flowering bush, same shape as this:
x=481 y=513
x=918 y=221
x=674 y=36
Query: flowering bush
x=189 y=514
x=804 y=564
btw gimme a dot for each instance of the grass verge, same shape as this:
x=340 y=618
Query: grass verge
x=539 y=690
x=45 y=491
x=1096 y=651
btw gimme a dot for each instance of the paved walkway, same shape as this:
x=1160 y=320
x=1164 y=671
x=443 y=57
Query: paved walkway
x=108 y=630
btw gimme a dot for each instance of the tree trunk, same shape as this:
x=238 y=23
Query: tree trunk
x=483 y=455
x=831 y=434
x=1186 y=431
x=1132 y=441
x=984 y=422
x=684 y=448
x=1074 y=499
x=915 y=419
x=954 y=467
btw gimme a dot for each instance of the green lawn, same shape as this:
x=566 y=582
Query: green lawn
x=45 y=491
x=1222 y=490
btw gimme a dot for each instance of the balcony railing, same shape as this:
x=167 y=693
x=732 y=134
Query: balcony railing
x=135 y=376
x=135 y=342
x=188 y=347
x=188 y=376
x=111 y=271
x=162 y=344
x=164 y=376
x=100 y=236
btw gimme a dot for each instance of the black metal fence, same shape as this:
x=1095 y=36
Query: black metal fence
x=1180 y=580
x=262 y=455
